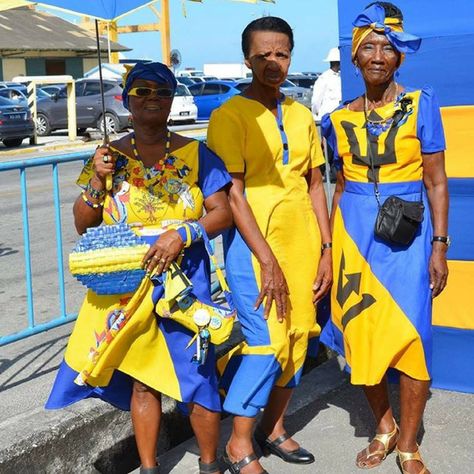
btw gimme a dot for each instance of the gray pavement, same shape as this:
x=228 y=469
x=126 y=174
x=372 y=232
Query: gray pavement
x=330 y=418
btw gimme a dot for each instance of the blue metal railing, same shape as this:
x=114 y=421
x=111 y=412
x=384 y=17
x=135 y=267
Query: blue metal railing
x=21 y=166
x=64 y=317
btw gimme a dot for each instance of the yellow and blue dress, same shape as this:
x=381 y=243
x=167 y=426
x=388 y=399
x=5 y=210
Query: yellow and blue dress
x=380 y=299
x=275 y=156
x=150 y=349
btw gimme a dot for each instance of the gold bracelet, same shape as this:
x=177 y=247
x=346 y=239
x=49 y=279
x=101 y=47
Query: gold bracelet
x=94 y=205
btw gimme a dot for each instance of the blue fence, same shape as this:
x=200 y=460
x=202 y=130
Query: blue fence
x=64 y=317
x=22 y=166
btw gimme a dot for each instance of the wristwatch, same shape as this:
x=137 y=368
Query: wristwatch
x=439 y=238
x=326 y=245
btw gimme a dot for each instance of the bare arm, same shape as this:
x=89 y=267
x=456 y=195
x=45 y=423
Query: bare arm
x=273 y=283
x=323 y=280
x=436 y=182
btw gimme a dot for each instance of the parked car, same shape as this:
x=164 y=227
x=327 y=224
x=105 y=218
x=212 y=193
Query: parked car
x=187 y=81
x=51 y=89
x=19 y=93
x=302 y=80
x=300 y=94
x=52 y=111
x=15 y=122
x=210 y=78
x=210 y=95
x=183 y=108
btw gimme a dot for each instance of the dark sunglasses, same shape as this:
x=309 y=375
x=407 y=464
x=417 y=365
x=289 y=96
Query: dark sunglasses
x=149 y=91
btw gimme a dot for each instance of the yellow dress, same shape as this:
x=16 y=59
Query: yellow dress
x=275 y=155
x=149 y=348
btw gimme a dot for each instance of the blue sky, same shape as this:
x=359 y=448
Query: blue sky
x=210 y=33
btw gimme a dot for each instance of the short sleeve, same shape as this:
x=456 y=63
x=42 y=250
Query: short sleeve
x=86 y=174
x=429 y=126
x=317 y=156
x=329 y=134
x=225 y=137
x=213 y=174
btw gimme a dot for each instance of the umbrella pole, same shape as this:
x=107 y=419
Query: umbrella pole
x=106 y=138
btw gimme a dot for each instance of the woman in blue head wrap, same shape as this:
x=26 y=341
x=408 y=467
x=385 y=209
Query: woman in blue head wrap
x=161 y=185
x=387 y=142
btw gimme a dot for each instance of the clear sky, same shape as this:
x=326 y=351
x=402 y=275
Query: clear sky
x=210 y=32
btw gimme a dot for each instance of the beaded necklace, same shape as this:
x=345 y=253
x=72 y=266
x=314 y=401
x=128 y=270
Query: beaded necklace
x=157 y=168
x=377 y=127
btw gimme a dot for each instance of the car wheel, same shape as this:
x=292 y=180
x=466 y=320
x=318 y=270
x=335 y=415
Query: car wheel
x=43 y=128
x=12 y=142
x=111 y=122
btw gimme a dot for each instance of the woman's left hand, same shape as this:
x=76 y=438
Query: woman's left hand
x=438 y=269
x=164 y=251
x=323 y=280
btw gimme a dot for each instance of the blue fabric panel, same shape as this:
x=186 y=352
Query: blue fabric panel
x=177 y=338
x=444 y=59
x=65 y=392
x=296 y=379
x=453 y=357
x=415 y=304
x=212 y=175
x=242 y=282
x=253 y=377
x=429 y=125
x=461 y=218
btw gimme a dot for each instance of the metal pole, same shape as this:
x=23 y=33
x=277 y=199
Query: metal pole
x=104 y=121
x=165 y=32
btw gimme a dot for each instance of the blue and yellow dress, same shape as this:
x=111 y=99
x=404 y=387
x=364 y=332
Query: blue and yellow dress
x=150 y=349
x=380 y=299
x=275 y=157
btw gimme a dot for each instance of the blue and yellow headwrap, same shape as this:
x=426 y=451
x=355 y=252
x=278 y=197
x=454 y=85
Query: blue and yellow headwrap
x=157 y=72
x=373 y=19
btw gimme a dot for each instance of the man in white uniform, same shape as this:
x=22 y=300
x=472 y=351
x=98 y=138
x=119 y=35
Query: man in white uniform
x=327 y=88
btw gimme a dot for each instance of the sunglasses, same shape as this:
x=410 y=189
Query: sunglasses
x=149 y=91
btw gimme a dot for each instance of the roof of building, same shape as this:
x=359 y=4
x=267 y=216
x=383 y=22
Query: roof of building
x=25 y=29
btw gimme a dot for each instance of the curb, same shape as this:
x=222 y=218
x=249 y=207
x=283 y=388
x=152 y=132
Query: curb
x=88 y=437
x=327 y=377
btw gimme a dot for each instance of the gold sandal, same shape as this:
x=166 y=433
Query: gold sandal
x=383 y=438
x=404 y=457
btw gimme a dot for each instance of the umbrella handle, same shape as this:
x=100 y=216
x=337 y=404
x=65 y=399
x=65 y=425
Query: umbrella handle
x=108 y=182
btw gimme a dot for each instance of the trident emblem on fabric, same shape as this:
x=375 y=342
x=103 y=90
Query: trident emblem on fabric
x=347 y=284
x=387 y=157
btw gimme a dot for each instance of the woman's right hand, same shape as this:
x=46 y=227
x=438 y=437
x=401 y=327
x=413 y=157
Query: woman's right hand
x=273 y=288
x=103 y=163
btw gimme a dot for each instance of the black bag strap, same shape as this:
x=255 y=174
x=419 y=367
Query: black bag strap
x=372 y=139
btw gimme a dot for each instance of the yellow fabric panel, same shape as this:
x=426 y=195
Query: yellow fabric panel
x=451 y=307
x=458 y=125
x=380 y=336
x=351 y=134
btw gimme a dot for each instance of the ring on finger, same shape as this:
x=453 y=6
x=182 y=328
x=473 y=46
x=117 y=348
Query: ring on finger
x=162 y=260
x=105 y=159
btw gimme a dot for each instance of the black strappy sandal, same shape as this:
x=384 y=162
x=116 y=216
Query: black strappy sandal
x=235 y=467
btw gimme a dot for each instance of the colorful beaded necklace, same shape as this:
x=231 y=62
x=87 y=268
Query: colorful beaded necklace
x=377 y=127
x=157 y=168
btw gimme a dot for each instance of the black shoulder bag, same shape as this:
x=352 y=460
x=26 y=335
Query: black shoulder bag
x=397 y=220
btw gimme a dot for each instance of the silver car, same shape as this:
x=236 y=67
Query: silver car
x=300 y=94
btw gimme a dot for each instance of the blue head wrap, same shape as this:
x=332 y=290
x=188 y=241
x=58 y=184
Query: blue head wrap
x=373 y=19
x=157 y=72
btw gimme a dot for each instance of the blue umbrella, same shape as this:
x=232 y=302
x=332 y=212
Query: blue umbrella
x=108 y=10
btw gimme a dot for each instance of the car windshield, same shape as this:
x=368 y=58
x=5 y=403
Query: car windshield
x=181 y=90
x=288 y=83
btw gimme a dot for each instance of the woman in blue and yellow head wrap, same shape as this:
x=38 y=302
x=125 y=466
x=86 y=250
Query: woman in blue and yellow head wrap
x=381 y=304
x=161 y=185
